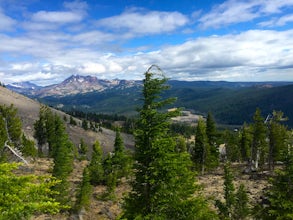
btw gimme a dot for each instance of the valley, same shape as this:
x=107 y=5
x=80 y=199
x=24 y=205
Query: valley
x=232 y=103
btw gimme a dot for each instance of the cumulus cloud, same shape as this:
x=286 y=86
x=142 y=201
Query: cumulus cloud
x=145 y=22
x=252 y=55
x=91 y=68
x=6 y=23
x=57 y=16
x=47 y=51
x=252 y=50
x=234 y=11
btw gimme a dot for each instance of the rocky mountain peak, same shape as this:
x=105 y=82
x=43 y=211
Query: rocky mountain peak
x=75 y=84
x=80 y=79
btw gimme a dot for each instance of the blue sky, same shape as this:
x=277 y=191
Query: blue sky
x=235 y=40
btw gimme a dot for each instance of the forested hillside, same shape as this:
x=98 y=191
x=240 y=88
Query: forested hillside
x=236 y=105
x=205 y=173
x=231 y=103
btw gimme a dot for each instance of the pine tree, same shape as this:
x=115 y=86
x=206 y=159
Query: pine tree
x=24 y=195
x=12 y=123
x=85 y=124
x=181 y=145
x=235 y=205
x=241 y=209
x=63 y=161
x=259 y=149
x=120 y=160
x=277 y=139
x=164 y=186
x=280 y=194
x=111 y=182
x=3 y=136
x=211 y=130
x=72 y=121
x=28 y=147
x=226 y=207
x=84 y=191
x=10 y=130
x=40 y=129
x=201 y=155
x=45 y=129
x=96 y=165
x=211 y=133
x=245 y=143
x=231 y=139
x=82 y=149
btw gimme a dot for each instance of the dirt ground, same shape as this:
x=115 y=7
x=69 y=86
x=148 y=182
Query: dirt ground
x=212 y=189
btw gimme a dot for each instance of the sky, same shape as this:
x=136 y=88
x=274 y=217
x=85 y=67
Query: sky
x=45 y=42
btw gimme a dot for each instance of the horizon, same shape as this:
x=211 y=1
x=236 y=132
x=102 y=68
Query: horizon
x=44 y=42
x=77 y=75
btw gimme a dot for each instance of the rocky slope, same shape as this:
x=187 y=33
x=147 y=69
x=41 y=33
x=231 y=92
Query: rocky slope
x=28 y=111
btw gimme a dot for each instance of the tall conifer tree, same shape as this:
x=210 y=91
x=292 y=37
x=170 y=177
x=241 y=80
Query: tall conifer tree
x=226 y=207
x=211 y=132
x=245 y=143
x=84 y=191
x=259 y=149
x=12 y=123
x=164 y=186
x=96 y=169
x=277 y=139
x=201 y=151
x=280 y=193
x=120 y=160
x=63 y=161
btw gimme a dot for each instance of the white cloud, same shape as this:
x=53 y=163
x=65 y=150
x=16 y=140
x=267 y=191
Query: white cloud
x=60 y=17
x=275 y=6
x=249 y=56
x=21 y=66
x=49 y=53
x=114 y=67
x=252 y=55
x=36 y=77
x=237 y=11
x=38 y=26
x=230 y=12
x=252 y=50
x=150 y=22
x=6 y=23
x=93 y=38
x=283 y=20
x=76 y=5
x=92 y=68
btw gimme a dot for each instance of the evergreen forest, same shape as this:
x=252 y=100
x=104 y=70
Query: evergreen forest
x=160 y=178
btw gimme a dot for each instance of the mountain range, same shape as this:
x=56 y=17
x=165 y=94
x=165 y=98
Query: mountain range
x=230 y=102
x=75 y=84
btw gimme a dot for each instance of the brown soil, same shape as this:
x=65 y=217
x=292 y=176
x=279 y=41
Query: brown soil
x=212 y=189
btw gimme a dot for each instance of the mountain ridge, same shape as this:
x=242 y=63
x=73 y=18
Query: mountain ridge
x=231 y=102
x=76 y=84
